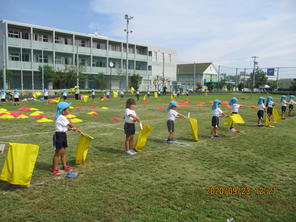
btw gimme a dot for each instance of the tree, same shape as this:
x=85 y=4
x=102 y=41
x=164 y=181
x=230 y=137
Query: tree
x=135 y=81
x=101 y=81
x=229 y=87
x=222 y=83
x=240 y=86
x=157 y=81
x=198 y=86
x=293 y=85
x=272 y=84
x=210 y=86
x=49 y=74
x=260 y=78
x=65 y=79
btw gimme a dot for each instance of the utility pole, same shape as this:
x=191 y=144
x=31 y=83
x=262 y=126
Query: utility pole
x=277 y=77
x=254 y=67
x=127 y=31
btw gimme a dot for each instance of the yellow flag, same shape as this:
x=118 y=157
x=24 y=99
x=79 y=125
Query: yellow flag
x=194 y=127
x=82 y=148
x=19 y=164
x=172 y=97
x=144 y=98
x=275 y=115
x=142 y=137
x=115 y=94
x=36 y=94
x=85 y=98
x=267 y=122
x=234 y=118
x=155 y=95
x=132 y=90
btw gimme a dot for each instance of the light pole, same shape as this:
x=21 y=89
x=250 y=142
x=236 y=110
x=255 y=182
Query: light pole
x=127 y=31
x=255 y=63
x=111 y=64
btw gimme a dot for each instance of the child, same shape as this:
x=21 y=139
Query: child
x=45 y=94
x=269 y=104
x=291 y=103
x=3 y=95
x=93 y=94
x=16 y=96
x=260 y=113
x=107 y=93
x=130 y=118
x=172 y=115
x=138 y=95
x=76 y=92
x=148 y=94
x=284 y=106
x=121 y=93
x=65 y=94
x=234 y=110
x=178 y=92
x=216 y=112
x=62 y=125
x=187 y=92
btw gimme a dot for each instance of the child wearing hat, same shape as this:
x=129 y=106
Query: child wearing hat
x=130 y=118
x=291 y=104
x=45 y=94
x=234 y=110
x=62 y=125
x=3 y=95
x=16 y=96
x=172 y=115
x=269 y=104
x=93 y=94
x=216 y=113
x=65 y=94
x=284 y=106
x=260 y=113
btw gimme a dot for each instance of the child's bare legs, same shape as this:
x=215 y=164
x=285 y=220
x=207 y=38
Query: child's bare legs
x=231 y=125
x=56 y=156
x=63 y=157
x=129 y=140
x=171 y=135
x=214 y=131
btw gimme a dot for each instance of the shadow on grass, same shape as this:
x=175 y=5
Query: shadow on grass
x=108 y=150
x=44 y=166
x=10 y=187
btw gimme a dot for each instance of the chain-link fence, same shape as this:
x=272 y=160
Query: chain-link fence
x=279 y=78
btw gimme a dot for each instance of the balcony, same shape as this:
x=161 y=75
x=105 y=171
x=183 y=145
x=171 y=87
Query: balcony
x=19 y=42
x=82 y=50
x=64 y=48
x=99 y=69
x=42 y=45
x=114 y=54
x=141 y=57
x=99 y=52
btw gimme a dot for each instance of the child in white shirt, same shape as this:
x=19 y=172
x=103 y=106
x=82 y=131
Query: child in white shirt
x=216 y=113
x=260 y=113
x=62 y=125
x=284 y=106
x=3 y=95
x=269 y=104
x=16 y=96
x=172 y=115
x=234 y=110
x=93 y=94
x=65 y=94
x=130 y=117
x=291 y=104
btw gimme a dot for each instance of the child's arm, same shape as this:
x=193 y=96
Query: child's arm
x=224 y=115
x=179 y=115
x=72 y=127
x=135 y=118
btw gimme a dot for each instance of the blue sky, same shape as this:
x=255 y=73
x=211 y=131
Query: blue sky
x=226 y=32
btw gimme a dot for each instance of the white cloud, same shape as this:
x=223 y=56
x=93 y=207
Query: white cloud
x=226 y=32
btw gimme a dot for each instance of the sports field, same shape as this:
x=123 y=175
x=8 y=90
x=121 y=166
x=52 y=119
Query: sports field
x=247 y=176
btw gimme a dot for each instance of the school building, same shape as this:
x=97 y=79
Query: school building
x=189 y=74
x=25 y=48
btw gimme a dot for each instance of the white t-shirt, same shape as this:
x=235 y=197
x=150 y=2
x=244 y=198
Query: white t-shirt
x=217 y=112
x=65 y=93
x=270 y=104
x=93 y=93
x=46 y=93
x=3 y=95
x=61 y=124
x=16 y=95
x=284 y=103
x=128 y=112
x=172 y=114
x=235 y=108
x=261 y=106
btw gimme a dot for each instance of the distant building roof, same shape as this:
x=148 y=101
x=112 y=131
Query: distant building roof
x=189 y=68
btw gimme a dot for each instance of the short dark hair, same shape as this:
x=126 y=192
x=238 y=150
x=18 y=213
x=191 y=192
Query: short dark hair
x=130 y=102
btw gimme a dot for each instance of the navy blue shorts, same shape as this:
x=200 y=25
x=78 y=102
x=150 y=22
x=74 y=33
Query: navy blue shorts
x=60 y=140
x=129 y=129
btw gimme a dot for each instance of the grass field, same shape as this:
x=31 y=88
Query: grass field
x=163 y=182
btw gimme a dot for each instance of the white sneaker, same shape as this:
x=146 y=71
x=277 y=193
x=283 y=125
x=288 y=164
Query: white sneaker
x=130 y=152
x=133 y=151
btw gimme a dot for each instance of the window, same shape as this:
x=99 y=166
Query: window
x=82 y=62
x=25 y=35
x=45 y=58
x=82 y=43
x=26 y=57
x=58 y=40
x=45 y=38
x=14 y=34
x=14 y=56
x=66 y=41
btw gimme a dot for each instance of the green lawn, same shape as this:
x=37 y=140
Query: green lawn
x=163 y=182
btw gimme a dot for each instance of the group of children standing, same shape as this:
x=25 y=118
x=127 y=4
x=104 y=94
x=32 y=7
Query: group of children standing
x=13 y=96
